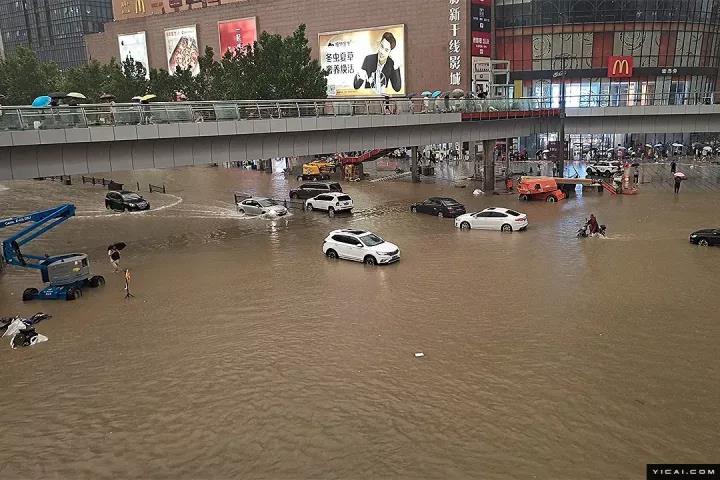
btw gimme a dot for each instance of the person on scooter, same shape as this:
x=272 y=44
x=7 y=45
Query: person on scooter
x=593 y=224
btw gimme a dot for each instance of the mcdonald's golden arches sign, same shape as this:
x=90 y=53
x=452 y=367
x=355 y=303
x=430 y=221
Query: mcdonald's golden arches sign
x=620 y=67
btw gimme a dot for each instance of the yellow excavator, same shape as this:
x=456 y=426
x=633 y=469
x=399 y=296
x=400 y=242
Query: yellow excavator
x=317 y=170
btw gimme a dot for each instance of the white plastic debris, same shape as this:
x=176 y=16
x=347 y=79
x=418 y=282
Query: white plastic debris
x=419 y=355
x=478 y=192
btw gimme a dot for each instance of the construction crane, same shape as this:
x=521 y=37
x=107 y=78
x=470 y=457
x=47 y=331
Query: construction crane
x=65 y=275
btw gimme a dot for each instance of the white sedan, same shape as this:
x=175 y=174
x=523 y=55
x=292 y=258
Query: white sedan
x=330 y=202
x=494 y=218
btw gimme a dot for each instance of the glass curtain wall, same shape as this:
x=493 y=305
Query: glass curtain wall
x=678 y=41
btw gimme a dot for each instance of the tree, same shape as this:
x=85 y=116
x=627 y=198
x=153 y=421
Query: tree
x=272 y=68
x=162 y=84
x=282 y=68
x=92 y=80
x=23 y=77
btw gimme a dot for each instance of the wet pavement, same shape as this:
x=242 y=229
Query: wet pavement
x=246 y=354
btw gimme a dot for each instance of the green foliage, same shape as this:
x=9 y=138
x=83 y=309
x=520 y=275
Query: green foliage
x=273 y=68
x=23 y=77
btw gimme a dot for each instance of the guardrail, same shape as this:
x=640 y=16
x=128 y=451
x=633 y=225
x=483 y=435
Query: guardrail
x=156 y=188
x=94 y=115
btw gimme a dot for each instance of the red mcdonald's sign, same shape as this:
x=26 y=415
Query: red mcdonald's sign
x=620 y=67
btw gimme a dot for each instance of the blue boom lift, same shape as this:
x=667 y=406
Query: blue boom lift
x=66 y=274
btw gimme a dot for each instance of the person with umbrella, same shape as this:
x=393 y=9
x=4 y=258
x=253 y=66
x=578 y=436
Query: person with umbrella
x=679 y=177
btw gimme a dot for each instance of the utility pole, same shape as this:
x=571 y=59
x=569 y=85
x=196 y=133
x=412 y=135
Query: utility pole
x=561 y=134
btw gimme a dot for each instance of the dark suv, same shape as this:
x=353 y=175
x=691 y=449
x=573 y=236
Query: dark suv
x=125 y=200
x=442 y=207
x=310 y=190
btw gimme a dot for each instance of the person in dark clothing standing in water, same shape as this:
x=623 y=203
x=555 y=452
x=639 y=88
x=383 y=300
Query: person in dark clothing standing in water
x=673 y=167
x=678 y=181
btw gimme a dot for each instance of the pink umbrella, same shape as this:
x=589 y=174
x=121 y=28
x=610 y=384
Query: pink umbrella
x=680 y=175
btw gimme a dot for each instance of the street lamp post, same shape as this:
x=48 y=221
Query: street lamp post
x=561 y=134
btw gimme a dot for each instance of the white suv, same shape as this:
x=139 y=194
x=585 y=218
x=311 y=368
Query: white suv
x=604 y=168
x=330 y=202
x=360 y=246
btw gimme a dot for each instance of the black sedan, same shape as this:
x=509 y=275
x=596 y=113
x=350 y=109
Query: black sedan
x=439 y=206
x=710 y=236
x=125 y=200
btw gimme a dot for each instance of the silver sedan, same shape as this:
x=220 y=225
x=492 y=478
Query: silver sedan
x=261 y=206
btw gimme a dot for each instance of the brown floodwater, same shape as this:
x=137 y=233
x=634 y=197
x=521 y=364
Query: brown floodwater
x=246 y=354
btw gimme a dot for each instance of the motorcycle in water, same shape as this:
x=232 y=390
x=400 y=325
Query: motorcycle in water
x=584 y=231
x=22 y=330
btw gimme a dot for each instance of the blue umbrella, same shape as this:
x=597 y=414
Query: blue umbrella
x=41 y=102
x=436 y=93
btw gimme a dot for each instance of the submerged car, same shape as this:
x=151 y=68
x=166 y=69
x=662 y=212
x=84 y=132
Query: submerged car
x=705 y=238
x=330 y=202
x=360 y=246
x=124 y=200
x=493 y=218
x=261 y=206
x=439 y=206
x=309 y=190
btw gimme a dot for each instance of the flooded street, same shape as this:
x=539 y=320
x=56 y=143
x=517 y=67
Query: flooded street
x=247 y=354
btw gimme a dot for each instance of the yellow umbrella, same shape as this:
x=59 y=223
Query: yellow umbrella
x=147 y=97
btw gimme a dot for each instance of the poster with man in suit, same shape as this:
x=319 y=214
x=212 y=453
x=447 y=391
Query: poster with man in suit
x=364 y=62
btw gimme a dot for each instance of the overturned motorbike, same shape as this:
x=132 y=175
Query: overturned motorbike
x=22 y=330
x=584 y=231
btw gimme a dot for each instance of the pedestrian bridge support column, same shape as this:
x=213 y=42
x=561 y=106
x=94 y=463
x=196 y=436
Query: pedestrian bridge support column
x=414 y=165
x=489 y=166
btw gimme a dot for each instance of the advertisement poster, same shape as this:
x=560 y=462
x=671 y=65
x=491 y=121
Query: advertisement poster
x=134 y=45
x=182 y=49
x=481 y=27
x=236 y=34
x=364 y=62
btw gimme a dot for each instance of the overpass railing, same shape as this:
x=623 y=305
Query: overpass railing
x=28 y=118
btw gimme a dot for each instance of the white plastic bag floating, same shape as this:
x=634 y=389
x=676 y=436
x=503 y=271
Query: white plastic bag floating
x=15 y=326
x=18 y=326
x=38 y=339
x=478 y=192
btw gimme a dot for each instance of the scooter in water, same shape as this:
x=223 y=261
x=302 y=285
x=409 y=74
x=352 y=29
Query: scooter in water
x=584 y=231
x=22 y=330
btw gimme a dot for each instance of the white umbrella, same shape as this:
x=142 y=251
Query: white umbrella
x=707 y=149
x=77 y=95
x=678 y=145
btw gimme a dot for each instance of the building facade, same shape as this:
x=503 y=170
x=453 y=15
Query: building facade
x=431 y=46
x=610 y=52
x=53 y=29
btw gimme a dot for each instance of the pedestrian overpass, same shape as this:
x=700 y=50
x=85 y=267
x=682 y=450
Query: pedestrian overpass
x=89 y=139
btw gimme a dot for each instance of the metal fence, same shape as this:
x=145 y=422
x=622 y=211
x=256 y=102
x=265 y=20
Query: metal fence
x=95 y=115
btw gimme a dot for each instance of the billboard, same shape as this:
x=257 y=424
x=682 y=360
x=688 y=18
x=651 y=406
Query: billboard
x=134 y=45
x=364 y=62
x=182 y=49
x=236 y=34
x=481 y=27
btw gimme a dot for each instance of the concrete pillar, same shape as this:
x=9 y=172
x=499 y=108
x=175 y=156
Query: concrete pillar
x=508 y=141
x=414 y=165
x=489 y=166
x=475 y=159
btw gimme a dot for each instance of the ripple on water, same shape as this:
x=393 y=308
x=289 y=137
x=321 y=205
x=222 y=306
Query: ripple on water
x=247 y=354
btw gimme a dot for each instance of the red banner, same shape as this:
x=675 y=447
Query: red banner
x=481 y=44
x=236 y=34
